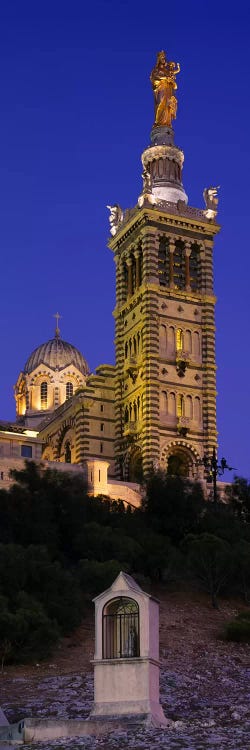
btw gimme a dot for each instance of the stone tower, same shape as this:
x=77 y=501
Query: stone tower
x=165 y=333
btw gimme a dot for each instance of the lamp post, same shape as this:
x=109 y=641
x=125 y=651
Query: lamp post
x=215 y=469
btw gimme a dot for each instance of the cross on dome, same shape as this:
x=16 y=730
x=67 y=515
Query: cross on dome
x=57 y=331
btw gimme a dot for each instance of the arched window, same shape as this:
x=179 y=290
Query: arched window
x=179 y=265
x=135 y=411
x=178 y=464
x=197 y=409
x=171 y=405
x=194 y=267
x=138 y=407
x=69 y=390
x=196 y=344
x=125 y=280
x=163 y=402
x=189 y=407
x=180 y=405
x=171 y=340
x=44 y=394
x=138 y=267
x=134 y=465
x=67 y=453
x=163 y=262
x=133 y=274
x=120 y=629
x=188 y=341
x=163 y=338
x=179 y=339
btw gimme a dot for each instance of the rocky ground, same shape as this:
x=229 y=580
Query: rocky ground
x=205 y=683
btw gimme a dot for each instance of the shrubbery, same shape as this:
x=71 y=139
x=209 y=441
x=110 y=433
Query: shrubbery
x=239 y=629
x=39 y=602
x=59 y=548
x=26 y=630
x=95 y=576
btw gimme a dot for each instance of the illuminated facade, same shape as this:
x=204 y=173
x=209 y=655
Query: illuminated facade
x=165 y=333
x=51 y=375
x=84 y=427
x=157 y=406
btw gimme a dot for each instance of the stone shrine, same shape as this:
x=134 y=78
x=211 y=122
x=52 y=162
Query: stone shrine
x=126 y=661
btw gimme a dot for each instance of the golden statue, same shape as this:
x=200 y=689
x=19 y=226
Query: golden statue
x=164 y=84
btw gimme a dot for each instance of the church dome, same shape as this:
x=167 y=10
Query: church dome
x=56 y=354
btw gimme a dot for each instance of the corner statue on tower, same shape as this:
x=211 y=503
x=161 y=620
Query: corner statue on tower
x=164 y=84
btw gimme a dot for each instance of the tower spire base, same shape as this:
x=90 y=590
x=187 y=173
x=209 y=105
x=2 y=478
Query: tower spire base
x=162 y=135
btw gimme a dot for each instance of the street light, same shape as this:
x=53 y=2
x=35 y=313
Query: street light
x=215 y=469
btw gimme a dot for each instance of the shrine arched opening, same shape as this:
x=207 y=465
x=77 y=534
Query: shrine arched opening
x=120 y=629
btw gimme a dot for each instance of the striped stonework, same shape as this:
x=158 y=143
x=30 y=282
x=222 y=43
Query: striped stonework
x=172 y=374
x=86 y=422
x=81 y=434
x=150 y=446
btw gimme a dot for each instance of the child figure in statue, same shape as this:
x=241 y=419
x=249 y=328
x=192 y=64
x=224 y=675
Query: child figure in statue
x=164 y=84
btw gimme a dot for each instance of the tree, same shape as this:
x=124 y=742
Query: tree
x=219 y=520
x=173 y=506
x=241 y=559
x=54 y=591
x=94 y=576
x=161 y=561
x=210 y=560
x=239 y=496
x=53 y=504
x=26 y=632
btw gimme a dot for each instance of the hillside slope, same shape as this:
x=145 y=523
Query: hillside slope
x=205 y=683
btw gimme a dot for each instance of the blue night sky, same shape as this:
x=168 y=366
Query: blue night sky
x=76 y=113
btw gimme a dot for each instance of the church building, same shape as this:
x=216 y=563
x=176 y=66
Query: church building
x=156 y=408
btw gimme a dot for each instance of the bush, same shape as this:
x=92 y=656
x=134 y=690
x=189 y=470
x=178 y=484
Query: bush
x=94 y=576
x=237 y=630
x=173 y=507
x=27 y=632
x=35 y=590
x=245 y=615
x=209 y=559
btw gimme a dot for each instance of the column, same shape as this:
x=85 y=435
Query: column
x=129 y=267
x=150 y=249
x=118 y=276
x=208 y=349
x=27 y=399
x=202 y=261
x=187 y=269
x=81 y=433
x=31 y=397
x=137 y=268
x=171 y=262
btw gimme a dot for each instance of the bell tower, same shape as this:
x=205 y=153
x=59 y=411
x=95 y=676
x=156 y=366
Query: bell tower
x=164 y=314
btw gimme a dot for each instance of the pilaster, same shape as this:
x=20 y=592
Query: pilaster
x=80 y=436
x=150 y=246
